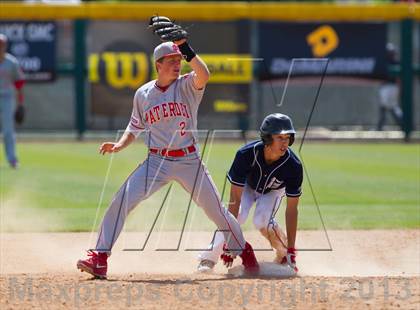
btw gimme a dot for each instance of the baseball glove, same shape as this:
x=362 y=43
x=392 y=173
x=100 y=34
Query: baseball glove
x=167 y=31
x=19 y=114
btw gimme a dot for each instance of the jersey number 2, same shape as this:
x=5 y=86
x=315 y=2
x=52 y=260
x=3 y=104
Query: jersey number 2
x=182 y=125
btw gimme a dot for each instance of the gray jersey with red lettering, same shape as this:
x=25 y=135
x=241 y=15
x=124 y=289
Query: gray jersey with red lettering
x=10 y=72
x=169 y=116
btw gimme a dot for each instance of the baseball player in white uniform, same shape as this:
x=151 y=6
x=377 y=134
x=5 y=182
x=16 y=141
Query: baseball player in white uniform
x=166 y=108
x=263 y=172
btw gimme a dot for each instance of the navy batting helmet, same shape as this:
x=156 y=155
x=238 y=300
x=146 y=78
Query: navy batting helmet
x=275 y=124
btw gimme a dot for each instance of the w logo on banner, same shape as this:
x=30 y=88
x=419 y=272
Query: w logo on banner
x=119 y=69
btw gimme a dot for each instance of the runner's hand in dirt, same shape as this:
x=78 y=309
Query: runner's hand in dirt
x=290 y=259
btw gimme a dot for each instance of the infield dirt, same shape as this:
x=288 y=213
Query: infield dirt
x=378 y=269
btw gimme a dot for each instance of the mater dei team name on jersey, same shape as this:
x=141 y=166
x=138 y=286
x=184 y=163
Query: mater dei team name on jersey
x=165 y=110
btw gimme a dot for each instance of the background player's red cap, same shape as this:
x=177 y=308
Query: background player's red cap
x=166 y=49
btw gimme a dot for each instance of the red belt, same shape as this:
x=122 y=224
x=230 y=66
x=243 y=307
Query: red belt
x=174 y=153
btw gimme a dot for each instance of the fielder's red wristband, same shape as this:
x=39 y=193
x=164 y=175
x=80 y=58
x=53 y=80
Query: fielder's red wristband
x=19 y=84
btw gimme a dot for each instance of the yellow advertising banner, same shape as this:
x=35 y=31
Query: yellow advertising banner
x=121 y=69
x=229 y=106
x=224 y=68
x=212 y=11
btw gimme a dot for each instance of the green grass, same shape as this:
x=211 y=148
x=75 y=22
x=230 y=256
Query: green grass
x=357 y=186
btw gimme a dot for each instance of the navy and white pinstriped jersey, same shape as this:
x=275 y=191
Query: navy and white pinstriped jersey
x=250 y=167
